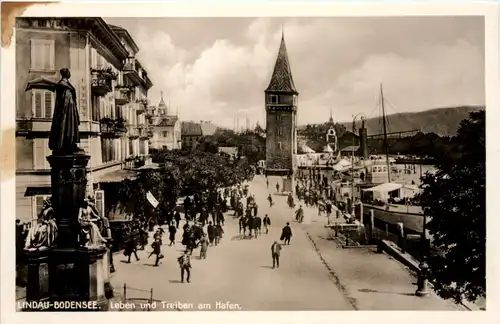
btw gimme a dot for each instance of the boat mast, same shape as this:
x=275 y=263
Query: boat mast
x=384 y=123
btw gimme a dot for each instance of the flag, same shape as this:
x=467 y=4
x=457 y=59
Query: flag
x=152 y=200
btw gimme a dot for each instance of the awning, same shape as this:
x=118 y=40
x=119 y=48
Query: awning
x=385 y=187
x=327 y=149
x=117 y=176
x=150 y=166
x=45 y=189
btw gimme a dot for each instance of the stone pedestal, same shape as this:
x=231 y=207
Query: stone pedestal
x=92 y=267
x=37 y=288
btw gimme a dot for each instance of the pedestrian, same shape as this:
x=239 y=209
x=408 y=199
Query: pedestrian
x=277 y=187
x=185 y=264
x=156 y=245
x=275 y=252
x=211 y=233
x=131 y=248
x=203 y=247
x=177 y=217
x=286 y=234
x=172 y=230
x=267 y=182
x=270 y=199
x=218 y=233
x=267 y=223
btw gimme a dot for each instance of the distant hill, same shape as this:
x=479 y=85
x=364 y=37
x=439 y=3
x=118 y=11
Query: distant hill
x=442 y=121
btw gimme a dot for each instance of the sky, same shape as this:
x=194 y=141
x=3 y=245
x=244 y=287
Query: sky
x=216 y=69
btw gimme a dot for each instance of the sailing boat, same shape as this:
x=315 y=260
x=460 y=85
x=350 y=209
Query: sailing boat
x=389 y=200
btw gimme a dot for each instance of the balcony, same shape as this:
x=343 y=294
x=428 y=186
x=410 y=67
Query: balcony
x=132 y=70
x=113 y=127
x=24 y=126
x=142 y=105
x=122 y=95
x=145 y=133
x=101 y=81
x=133 y=132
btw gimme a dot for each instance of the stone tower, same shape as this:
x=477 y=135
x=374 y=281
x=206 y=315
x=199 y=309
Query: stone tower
x=281 y=117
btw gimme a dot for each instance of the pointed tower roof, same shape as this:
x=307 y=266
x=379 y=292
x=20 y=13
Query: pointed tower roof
x=331 y=117
x=282 y=80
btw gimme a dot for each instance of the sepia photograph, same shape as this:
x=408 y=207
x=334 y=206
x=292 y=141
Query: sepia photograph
x=283 y=163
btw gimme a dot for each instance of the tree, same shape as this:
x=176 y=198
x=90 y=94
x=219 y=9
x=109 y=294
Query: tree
x=455 y=200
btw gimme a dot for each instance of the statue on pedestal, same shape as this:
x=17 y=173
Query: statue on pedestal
x=90 y=234
x=44 y=232
x=64 y=133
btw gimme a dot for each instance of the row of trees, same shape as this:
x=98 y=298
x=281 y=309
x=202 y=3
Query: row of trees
x=180 y=173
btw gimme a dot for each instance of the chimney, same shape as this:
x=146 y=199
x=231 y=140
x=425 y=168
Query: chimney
x=363 y=136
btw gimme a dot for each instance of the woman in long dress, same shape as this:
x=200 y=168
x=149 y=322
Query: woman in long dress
x=87 y=219
x=42 y=233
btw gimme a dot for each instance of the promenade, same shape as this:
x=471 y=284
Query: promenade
x=314 y=274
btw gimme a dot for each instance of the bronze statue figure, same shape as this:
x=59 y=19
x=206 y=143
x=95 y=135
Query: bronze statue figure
x=64 y=133
x=43 y=232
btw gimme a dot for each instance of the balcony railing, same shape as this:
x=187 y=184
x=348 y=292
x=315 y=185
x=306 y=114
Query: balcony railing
x=24 y=126
x=122 y=95
x=113 y=127
x=101 y=81
x=133 y=132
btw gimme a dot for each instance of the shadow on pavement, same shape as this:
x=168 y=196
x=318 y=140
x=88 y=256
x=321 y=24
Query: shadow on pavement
x=266 y=267
x=175 y=281
x=385 y=292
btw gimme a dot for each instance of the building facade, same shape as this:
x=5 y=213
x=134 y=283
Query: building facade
x=111 y=88
x=191 y=133
x=165 y=127
x=281 y=99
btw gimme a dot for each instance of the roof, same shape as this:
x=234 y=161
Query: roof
x=385 y=187
x=117 y=176
x=231 y=150
x=123 y=32
x=328 y=149
x=350 y=148
x=167 y=121
x=191 y=129
x=208 y=128
x=282 y=80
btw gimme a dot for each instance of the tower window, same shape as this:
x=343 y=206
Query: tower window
x=295 y=99
x=273 y=99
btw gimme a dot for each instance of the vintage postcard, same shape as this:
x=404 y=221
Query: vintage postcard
x=245 y=158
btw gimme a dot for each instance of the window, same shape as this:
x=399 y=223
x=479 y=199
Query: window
x=165 y=134
x=273 y=99
x=37 y=204
x=42 y=55
x=40 y=152
x=42 y=102
x=280 y=132
x=278 y=117
x=279 y=145
x=295 y=99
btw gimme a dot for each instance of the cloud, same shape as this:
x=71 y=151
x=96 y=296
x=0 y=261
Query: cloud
x=217 y=69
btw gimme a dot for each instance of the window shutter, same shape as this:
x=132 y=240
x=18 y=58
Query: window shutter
x=46 y=56
x=38 y=104
x=99 y=201
x=48 y=104
x=47 y=152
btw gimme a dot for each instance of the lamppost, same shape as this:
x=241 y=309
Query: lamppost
x=422 y=280
x=352 y=159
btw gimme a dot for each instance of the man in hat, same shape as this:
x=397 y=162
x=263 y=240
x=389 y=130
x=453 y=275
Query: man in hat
x=275 y=252
x=286 y=234
x=267 y=223
x=185 y=264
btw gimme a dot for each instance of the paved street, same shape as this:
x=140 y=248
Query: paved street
x=239 y=270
